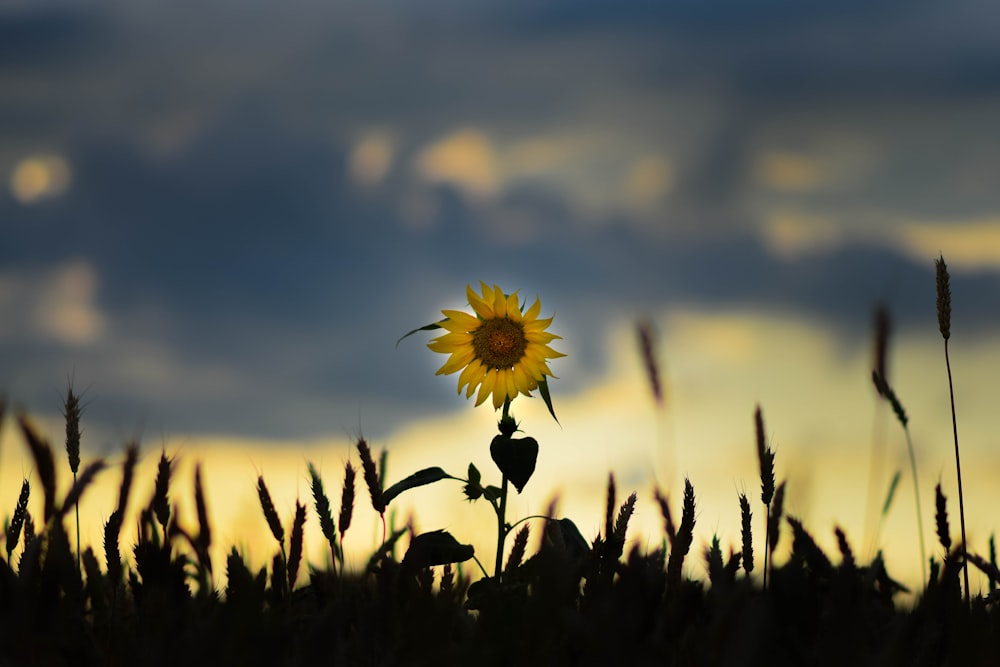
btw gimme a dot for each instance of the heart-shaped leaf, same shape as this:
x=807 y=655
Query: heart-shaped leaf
x=515 y=457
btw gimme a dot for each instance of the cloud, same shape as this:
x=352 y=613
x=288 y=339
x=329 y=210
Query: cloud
x=371 y=158
x=788 y=171
x=58 y=304
x=789 y=233
x=648 y=180
x=465 y=158
x=970 y=244
x=40 y=177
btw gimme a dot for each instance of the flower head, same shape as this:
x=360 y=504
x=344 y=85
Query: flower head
x=501 y=350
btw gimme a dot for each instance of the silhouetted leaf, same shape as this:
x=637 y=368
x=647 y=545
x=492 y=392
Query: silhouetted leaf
x=543 y=389
x=419 y=478
x=436 y=548
x=515 y=457
x=426 y=327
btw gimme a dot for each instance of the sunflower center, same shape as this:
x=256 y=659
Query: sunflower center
x=499 y=343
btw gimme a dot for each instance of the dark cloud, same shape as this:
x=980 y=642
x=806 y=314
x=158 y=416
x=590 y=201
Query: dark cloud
x=251 y=288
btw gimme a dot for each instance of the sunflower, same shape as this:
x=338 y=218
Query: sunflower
x=500 y=349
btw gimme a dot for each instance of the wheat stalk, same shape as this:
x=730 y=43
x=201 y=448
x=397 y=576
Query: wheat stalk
x=322 y=505
x=346 y=501
x=160 y=503
x=765 y=460
x=943 y=284
x=886 y=392
x=295 y=544
x=747 y=534
x=684 y=537
x=941 y=518
x=71 y=413
x=13 y=532
x=270 y=514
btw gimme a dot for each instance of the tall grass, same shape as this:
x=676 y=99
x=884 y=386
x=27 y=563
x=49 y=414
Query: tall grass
x=943 y=284
x=569 y=598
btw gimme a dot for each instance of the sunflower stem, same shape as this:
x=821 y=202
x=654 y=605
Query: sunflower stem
x=502 y=511
x=501 y=528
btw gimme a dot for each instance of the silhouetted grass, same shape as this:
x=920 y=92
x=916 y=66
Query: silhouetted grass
x=570 y=602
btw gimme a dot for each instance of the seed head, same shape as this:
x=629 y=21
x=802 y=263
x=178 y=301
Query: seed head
x=943 y=297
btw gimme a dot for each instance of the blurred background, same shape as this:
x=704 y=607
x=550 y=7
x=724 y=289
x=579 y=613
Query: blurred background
x=216 y=220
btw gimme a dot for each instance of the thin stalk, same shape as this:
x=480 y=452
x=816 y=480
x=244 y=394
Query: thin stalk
x=958 y=469
x=76 y=509
x=501 y=528
x=916 y=497
x=767 y=540
x=480 y=565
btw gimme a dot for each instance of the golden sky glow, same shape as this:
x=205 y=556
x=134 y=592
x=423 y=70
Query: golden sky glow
x=969 y=243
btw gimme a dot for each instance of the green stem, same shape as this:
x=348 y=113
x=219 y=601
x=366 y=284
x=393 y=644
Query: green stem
x=916 y=495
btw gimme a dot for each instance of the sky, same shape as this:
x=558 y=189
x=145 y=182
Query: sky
x=217 y=221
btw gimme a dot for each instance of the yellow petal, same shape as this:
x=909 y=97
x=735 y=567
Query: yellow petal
x=513 y=308
x=511 y=385
x=446 y=347
x=537 y=325
x=534 y=310
x=459 y=321
x=522 y=381
x=499 y=393
x=550 y=353
x=443 y=348
x=540 y=338
x=499 y=302
x=457 y=362
x=489 y=380
x=481 y=306
x=471 y=376
x=455 y=338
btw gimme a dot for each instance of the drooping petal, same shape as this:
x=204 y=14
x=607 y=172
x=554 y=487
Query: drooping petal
x=499 y=393
x=454 y=338
x=471 y=376
x=459 y=360
x=489 y=380
x=511 y=388
x=522 y=381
